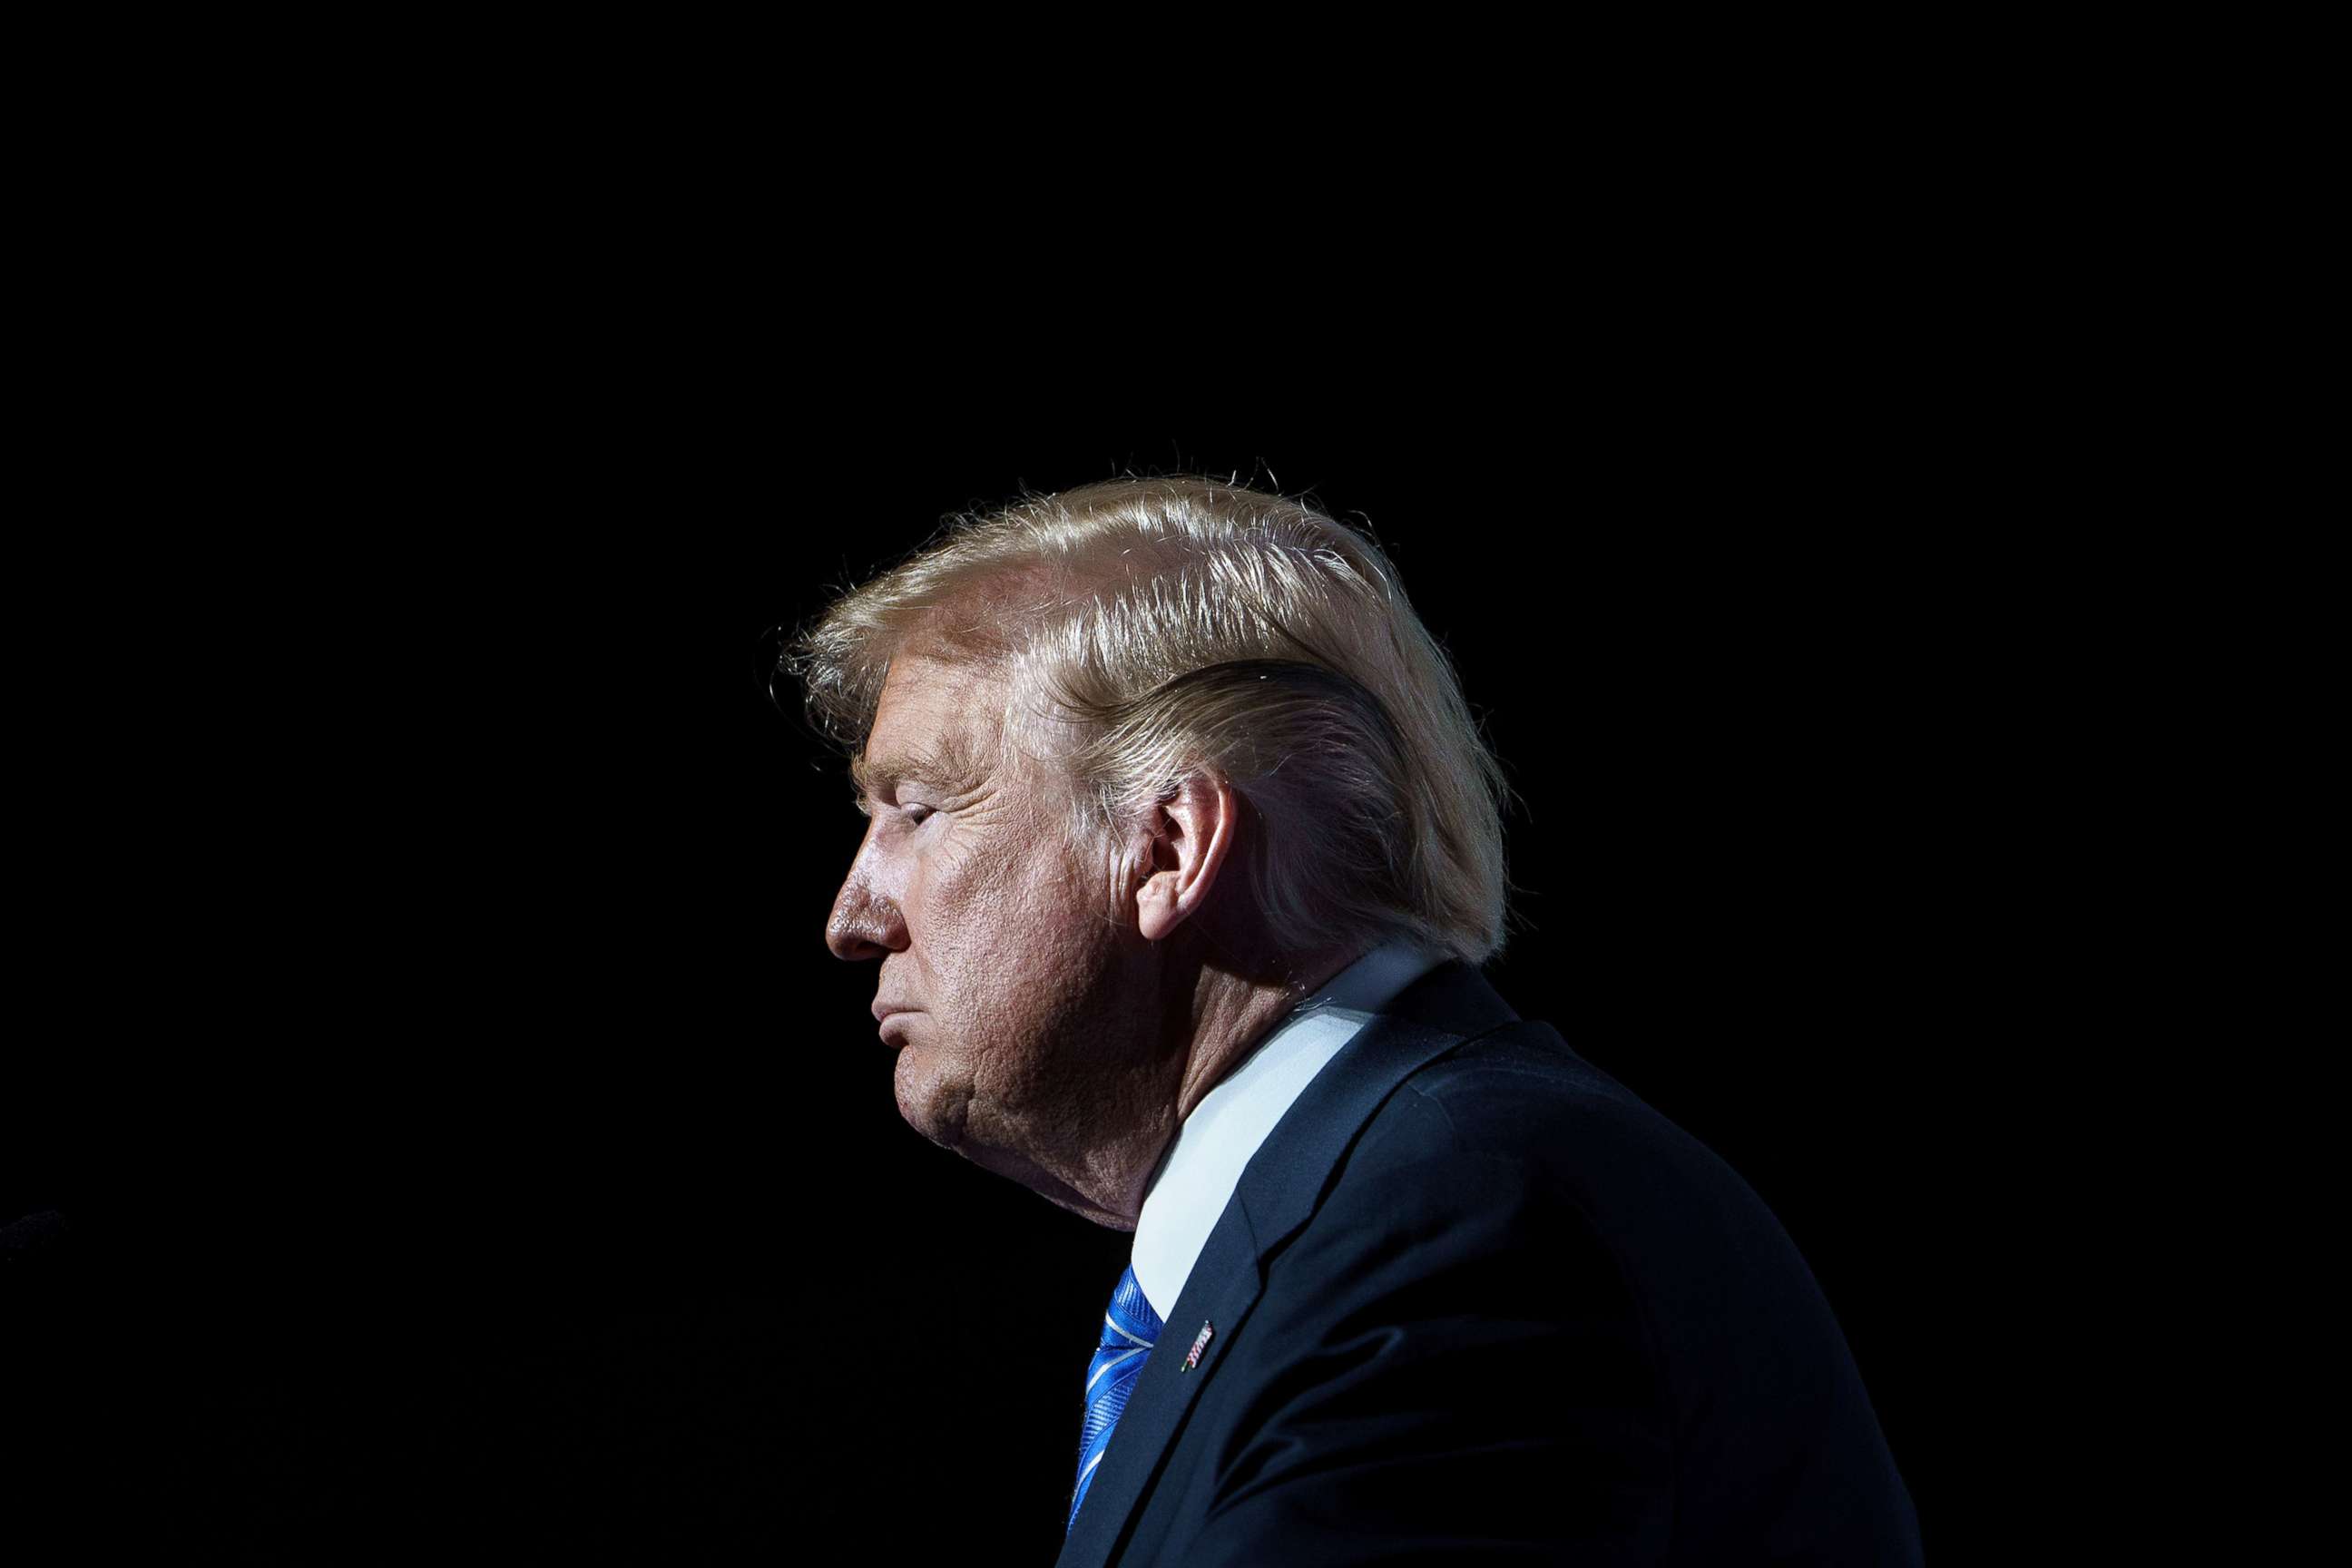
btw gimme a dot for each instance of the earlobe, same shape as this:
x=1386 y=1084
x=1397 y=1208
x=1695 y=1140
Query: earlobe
x=1156 y=910
x=1160 y=872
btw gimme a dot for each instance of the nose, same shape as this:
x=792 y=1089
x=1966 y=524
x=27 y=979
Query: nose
x=864 y=922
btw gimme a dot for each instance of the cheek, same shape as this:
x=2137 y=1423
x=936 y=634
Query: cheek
x=1014 y=934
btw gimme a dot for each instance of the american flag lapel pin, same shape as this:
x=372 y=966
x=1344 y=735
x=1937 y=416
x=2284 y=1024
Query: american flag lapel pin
x=1199 y=1343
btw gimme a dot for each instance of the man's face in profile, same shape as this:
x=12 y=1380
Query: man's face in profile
x=1003 y=972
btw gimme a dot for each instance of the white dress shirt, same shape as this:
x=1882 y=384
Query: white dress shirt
x=1197 y=1175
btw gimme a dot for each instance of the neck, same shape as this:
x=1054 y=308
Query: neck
x=1224 y=1016
x=1211 y=1015
x=1231 y=1015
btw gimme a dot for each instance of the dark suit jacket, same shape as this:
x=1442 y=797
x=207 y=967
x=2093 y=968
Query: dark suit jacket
x=1472 y=1301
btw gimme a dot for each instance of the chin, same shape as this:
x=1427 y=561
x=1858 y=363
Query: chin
x=929 y=1102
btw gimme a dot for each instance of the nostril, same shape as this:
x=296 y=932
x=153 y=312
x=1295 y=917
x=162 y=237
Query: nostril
x=863 y=923
x=851 y=938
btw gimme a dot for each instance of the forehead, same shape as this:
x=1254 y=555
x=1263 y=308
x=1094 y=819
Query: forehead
x=937 y=722
x=926 y=698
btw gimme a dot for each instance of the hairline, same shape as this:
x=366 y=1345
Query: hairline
x=955 y=762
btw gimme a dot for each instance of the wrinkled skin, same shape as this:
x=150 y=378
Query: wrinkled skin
x=1034 y=1032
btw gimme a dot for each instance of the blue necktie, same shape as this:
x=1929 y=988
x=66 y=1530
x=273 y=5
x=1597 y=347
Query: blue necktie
x=1128 y=1328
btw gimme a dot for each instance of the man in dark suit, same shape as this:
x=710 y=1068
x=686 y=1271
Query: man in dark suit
x=1183 y=855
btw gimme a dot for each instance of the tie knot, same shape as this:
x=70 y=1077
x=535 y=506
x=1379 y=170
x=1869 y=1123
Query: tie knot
x=1129 y=1319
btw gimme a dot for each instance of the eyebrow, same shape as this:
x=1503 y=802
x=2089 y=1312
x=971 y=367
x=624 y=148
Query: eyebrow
x=952 y=765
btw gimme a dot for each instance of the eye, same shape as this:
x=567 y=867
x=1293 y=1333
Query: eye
x=915 y=814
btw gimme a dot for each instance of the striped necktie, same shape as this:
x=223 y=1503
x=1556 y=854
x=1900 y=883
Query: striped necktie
x=1128 y=1328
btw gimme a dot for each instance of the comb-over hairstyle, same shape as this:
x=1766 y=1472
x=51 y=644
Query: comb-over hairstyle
x=1150 y=627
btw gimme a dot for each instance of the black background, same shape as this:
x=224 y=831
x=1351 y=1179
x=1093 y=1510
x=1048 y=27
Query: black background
x=463 y=1131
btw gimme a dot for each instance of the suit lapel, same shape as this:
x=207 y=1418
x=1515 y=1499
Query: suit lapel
x=1280 y=1189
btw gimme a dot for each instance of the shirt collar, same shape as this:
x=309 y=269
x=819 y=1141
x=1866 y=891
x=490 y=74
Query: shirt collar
x=1371 y=983
x=1202 y=1165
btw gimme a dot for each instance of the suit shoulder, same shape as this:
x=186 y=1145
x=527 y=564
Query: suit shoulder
x=1520 y=1092
x=1518 y=1105
x=1510 y=1170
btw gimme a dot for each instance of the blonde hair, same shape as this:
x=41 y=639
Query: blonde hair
x=1161 y=626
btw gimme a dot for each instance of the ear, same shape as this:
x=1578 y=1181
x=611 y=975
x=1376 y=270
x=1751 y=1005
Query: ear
x=1190 y=833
